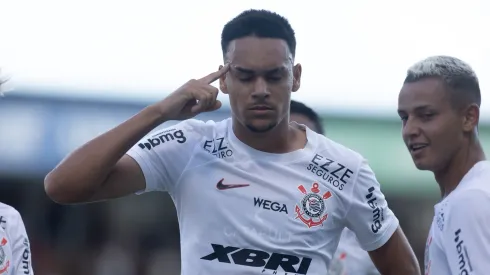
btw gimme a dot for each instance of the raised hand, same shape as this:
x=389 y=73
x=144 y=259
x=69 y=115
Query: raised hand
x=192 y=98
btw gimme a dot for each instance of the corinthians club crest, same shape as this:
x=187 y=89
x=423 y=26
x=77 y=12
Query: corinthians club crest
x=311 y=210
x=4 y=260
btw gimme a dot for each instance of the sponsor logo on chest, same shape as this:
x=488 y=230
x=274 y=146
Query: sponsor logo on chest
x=218 y=147
x=330 y=171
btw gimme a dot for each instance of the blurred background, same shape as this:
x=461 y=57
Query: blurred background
x=78 y=68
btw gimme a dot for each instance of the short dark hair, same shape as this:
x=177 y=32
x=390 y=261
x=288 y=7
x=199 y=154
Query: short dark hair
x=458 y=76
x=259 y=23
x=300 y=108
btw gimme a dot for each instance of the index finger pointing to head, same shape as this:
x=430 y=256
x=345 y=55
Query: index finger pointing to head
x=212 y=77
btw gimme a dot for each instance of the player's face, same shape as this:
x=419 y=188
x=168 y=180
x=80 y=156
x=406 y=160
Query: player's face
x=431 y=127
x=302 y=119
x=260 y=81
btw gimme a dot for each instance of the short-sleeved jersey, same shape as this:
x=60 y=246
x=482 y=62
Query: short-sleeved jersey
x=459 y=237
x=350 y=258
x=15 y=253
x=244 y=211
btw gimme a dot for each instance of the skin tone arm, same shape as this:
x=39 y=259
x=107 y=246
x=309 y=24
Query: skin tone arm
x=396 y=256
x=100 y=170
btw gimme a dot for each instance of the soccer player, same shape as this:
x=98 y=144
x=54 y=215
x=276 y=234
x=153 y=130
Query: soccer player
x=254 y=194
x=439 y=105
x=349 y=258
x=15 y=254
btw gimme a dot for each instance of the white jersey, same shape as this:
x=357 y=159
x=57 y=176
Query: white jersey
x=459 y=237
x=15 y=254
x=350 y=258
x=243 y=211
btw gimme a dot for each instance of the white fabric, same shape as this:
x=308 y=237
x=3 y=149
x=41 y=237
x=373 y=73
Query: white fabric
x=459 y=237
x=350 y=258
x=15 y=254
x=287 y=212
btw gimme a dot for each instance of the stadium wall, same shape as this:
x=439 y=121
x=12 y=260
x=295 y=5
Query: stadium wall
x=37 y=132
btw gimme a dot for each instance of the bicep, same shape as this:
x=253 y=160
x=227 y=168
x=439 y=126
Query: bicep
x=395 y=256
x=126 y=178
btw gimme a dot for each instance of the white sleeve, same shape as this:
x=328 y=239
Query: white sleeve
x=369 y=216
x=163 y=154
x=21 y=252
x=466 y=236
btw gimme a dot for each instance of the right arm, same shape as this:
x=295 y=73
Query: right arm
x=100 y=169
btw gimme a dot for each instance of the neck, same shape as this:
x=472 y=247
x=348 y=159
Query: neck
x=450 y=177
x=280 y=139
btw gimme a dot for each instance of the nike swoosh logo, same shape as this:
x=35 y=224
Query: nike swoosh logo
x=222 y=186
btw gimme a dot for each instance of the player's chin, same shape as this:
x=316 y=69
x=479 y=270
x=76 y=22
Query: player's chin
x=424 y=164
x=261 y=125
x=421 y=165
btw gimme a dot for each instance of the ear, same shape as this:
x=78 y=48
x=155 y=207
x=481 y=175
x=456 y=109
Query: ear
x=222 y=82
x=296 y=77
x=471 y=117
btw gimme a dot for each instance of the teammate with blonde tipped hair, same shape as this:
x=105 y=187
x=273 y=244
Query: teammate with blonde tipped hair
x=439 y=105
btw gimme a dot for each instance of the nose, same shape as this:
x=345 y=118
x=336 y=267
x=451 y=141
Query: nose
x=260 y=88
x=410 y=128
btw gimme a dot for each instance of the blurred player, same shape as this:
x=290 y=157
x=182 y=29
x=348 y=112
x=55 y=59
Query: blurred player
x=254 y=194
x=439 y=105
x=15 y=253
x=350 y=258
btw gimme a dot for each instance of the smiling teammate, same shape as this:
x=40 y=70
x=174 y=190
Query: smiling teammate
x=439 y=105
x=254 y=194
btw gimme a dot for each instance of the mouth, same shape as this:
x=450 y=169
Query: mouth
x=260 y=108
x=415 y=147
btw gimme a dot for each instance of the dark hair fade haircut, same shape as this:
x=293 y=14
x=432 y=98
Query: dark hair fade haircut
x=302 y=109
x=258 y=23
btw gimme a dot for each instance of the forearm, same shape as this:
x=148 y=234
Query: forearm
x=85 y=169
x=396 y=256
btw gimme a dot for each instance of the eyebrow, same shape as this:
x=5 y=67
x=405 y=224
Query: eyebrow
x=250 y=71
x=417 y=109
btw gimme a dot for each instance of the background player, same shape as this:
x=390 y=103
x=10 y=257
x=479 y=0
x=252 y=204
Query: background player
x=349 y=258
x=15 y=253
x=248 y=190
x=439 y=105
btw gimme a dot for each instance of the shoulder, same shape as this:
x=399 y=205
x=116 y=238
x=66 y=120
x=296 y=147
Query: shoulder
x=469 y=197
x=338 y=153
x=8 y=211
x=468 y=204
x=474 y=189
x=186 y=132
x=199 y=127
x=9 y=215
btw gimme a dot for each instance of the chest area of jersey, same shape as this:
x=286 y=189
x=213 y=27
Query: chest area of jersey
x=306 y=193
x=435 y=259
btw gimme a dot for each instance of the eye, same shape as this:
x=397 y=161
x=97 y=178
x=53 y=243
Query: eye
x=274 y=78
x=245 y=78
x=427 y=116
